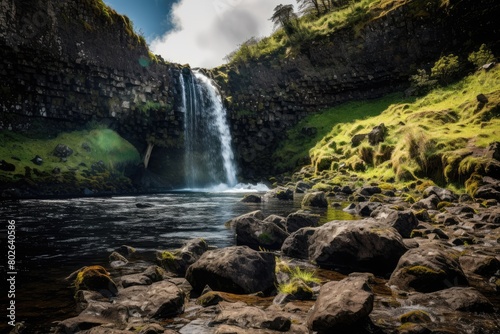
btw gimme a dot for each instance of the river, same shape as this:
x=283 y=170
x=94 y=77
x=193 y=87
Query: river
x=56 y=237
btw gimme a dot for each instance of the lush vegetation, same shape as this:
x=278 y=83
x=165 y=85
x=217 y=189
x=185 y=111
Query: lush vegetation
x=293 y=31
x=440 y=136
x=99 y=154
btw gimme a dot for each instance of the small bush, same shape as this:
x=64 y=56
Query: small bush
x=421 y=82
x=446 y=69
x=482 y=56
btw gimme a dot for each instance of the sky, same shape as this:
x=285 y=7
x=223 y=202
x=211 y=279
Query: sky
x=198 y=32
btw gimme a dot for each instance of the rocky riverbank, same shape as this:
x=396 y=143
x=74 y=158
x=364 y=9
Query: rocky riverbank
x=416 y=261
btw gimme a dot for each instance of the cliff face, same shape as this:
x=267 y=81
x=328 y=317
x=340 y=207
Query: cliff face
x=65 y=63
x=69 y=62
x=363 y=61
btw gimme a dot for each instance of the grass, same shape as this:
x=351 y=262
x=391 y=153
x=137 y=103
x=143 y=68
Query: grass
x=89 y=147
x=440 y=137
x=296 y=147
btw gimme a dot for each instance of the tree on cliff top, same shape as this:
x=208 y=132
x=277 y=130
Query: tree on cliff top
x=285 y=17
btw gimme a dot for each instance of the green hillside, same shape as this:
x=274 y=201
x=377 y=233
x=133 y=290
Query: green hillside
x=442 y=137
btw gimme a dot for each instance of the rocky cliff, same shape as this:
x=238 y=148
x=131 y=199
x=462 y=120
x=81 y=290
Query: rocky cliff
x=361 y=61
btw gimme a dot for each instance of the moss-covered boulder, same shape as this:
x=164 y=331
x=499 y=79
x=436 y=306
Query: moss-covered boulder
x=94 y=278
x=431 y=267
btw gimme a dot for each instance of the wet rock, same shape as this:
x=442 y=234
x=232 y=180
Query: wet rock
x=429 y=268
x=94 y=278
x=126 y=251
x=428 y=203
x=254 y=214
x=342 y=306
x=251 y=199
x=300 y=219
x=249 y=317
x=403 y=221
x=238 y=269
x=62 y=151
x=144 y=205
x=179 y=260
x=363 y=245
x=316 y=199
x=370 y=191
x=281 y=193
x=6 y=166
x=297 y=244
x=257 y=233
x=150 y=275
x=117 y=260
x=457 y=299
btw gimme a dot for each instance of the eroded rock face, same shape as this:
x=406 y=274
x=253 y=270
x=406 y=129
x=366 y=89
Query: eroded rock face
x=431 y=267
x=236 y=269
x=363 y=245
x=342 y=306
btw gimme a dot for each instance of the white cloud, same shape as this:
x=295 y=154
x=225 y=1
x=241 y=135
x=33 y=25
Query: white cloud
x=207 y=30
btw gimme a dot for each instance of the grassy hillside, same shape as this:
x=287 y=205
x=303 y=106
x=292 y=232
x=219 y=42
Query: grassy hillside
x=98 y=161
x=442 y=136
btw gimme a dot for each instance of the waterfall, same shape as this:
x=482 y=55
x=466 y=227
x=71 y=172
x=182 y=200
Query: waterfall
x=209 y=159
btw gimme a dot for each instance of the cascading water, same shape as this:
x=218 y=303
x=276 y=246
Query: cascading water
x=209 y=159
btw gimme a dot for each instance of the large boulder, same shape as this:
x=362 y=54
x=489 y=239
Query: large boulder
x=94 y=278
x=444 y=195
x=281 y=193
x=300 y=219
x=362 y=245
x=257 y=233
x=237 y=269
x=431 y=267
x=258 y=214
x=342 y=307
x=403 y=221
x=297 y=244
x=316 y=199
x=179 y=260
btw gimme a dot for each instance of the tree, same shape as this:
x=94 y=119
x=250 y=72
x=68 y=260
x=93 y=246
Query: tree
x=306 y=6
x=285 y=17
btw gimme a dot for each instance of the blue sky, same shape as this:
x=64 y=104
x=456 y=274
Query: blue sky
x=198 y=32
x=149 y=16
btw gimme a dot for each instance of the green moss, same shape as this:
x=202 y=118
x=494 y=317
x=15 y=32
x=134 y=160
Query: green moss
x=166 y=256
x=423 y=271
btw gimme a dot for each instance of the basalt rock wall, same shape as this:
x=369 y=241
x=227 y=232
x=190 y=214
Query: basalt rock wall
x=365 y=60
x=65 y=63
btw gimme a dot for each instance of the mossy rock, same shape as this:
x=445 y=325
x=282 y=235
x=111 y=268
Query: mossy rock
x=95 y=278
x=424 y=271
x=417 y=234
x=209 y=299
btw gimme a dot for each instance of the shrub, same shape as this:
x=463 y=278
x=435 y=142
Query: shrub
x=421 y=82
x=446 y=68
x=482 y=56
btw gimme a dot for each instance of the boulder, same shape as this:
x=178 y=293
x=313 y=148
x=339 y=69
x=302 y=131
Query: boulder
x=249 y=317
x=62 y=151
x=370 y=191
x=37 y=160
x=297 y=244
x=94 y=278
x=281 y=193
x=179 y=260
x=277 y=220
x=431 y=267
x=357 y=139
x=254 y=214
x=251 y=199
x=493 y=151
x=489 y=189
x=403 y=221
x=301 y=187
x=149 y=276
x=117 y=260
x=300 y=219
x=316 y=199
x=257 y=233
x=342 y=307
x=365 y=209
x=377 y=135
x=237 y=269
x=457 y=299
x=444 y=195
x=362 y=245
x=479 y=264
x=428 y=203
